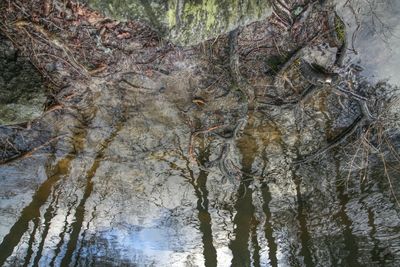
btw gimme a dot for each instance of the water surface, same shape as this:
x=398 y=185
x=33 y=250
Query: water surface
x=124 y=189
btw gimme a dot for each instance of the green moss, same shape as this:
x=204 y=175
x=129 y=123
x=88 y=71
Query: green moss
x=186 y=21
x=340 y=29
x=202 y=14
x=211 y=11
x=171 y=17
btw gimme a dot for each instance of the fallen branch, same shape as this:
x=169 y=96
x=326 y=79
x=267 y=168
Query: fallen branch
x=29 y=153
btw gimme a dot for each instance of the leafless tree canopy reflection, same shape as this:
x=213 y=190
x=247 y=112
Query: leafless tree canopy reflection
x=263 y=147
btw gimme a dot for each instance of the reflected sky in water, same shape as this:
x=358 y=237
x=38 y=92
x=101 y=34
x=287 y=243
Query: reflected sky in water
x=376 y=39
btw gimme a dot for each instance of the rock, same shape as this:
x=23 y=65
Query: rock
x=186 y=22
x=22 y=94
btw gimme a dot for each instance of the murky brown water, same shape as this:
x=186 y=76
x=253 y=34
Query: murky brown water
x=122 y=188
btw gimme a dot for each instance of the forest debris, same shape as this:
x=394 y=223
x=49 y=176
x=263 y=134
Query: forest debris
x=124 y=35
x=100 y=68
x=199 y=101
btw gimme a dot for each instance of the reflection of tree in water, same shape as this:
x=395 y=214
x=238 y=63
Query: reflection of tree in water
x=374 y=17
x=303 y=176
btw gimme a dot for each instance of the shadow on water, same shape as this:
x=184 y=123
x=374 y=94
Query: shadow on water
x=268 y=229
x=201 y=192
x=79 y=217
x=63 y=232
x=380 y=236
x=376 y=251
x=302 y=220
x=48 y=216
x=245 y=221
x=350 y=241
x=247 y=245
x=32 y=211
x=80 y=209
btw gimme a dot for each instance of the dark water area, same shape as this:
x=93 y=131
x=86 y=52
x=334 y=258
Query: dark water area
x=134 y=185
